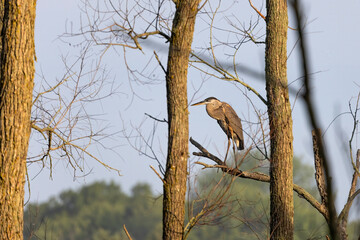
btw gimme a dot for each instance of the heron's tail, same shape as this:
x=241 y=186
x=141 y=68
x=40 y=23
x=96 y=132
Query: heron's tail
x=240 y=144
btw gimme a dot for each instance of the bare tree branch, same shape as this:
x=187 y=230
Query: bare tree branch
x=257 y=176
x=355 y=124
x=212 y=205
x=319 y=170
x=60 y=118
x=307 y=96
x=226 y=75
x=343 y=216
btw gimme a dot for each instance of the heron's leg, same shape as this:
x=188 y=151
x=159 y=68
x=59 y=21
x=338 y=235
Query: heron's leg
x=227 y=151
x=234 y=149
x=234 y=144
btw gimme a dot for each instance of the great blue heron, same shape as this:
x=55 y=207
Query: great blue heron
x=227 y=119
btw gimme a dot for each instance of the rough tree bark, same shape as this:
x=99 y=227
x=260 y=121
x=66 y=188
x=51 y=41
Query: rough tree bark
x=17 y=51
x=178 y=135
x=279 y=111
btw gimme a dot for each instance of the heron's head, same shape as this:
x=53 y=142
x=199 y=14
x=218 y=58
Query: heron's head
x=210 y=100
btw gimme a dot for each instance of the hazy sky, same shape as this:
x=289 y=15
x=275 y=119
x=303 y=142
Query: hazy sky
x=332 y=32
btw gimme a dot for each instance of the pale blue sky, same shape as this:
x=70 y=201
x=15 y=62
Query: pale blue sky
x=333 y=35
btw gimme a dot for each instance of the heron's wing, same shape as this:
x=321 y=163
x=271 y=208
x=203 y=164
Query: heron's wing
x=234 y=122
x=216 y=113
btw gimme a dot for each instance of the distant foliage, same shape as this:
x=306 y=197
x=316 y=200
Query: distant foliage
x=96 y=212
x=99 y=211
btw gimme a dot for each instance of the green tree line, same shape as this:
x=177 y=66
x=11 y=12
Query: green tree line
x=99 y=211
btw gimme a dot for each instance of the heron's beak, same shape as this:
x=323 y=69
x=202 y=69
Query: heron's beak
x=199 y=103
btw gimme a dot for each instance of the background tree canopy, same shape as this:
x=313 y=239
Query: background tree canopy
x=99 y=210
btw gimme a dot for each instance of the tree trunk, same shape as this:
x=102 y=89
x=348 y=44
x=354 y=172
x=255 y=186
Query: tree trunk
x=279 y=111
x=16 y=85
x=177 y=104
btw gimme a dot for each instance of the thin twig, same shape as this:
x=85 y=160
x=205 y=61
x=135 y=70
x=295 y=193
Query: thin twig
x=126 y=232
x=156 y=119
x=162 y=67
x=157 y=174
x=256 y=10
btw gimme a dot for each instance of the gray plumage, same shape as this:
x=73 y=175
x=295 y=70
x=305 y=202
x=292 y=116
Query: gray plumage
x=226 y=118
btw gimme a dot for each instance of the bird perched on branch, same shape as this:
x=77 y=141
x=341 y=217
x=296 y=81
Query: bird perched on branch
x=227 y=119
